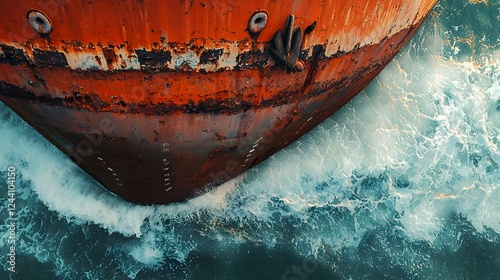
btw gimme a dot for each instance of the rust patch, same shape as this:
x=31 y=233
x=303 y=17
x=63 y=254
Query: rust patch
x=232 y=105
x=50 y=58
x=90 y=99
x=153 y=59
x=220 y=136
x=210 y=56
x=110 y=56
x=318 y=52
x=14 y=56
x=16 y=92
x=85 y=97
x=222 y=151
x=252 y=60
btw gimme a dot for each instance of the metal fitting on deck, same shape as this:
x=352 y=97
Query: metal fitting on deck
x=40 y=22
x=257 y=22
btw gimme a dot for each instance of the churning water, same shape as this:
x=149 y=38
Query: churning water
x=402 y=183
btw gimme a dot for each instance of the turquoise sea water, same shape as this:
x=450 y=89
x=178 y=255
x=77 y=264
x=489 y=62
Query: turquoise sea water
x=402 y=183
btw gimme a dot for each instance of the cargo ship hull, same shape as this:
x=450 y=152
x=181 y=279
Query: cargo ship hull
x=160 y=100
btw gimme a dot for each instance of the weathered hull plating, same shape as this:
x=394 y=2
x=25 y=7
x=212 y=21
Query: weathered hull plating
x=158 y=100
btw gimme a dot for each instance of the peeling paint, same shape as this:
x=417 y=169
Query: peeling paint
x=86 y=60
x=188 y=59
x=379 y=20
x=49 y=58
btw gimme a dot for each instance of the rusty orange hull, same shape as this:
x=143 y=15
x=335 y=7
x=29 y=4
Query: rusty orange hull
x=159 y=100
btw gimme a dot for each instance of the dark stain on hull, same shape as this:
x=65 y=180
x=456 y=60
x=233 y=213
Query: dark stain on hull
x=49 y=58
x=14 y=56
x=210 y=56
x=153 y=59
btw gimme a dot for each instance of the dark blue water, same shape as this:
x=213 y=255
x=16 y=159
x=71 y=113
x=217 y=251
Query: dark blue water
x=402 y=183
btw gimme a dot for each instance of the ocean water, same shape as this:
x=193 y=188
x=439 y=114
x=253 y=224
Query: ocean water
x=402 y=183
